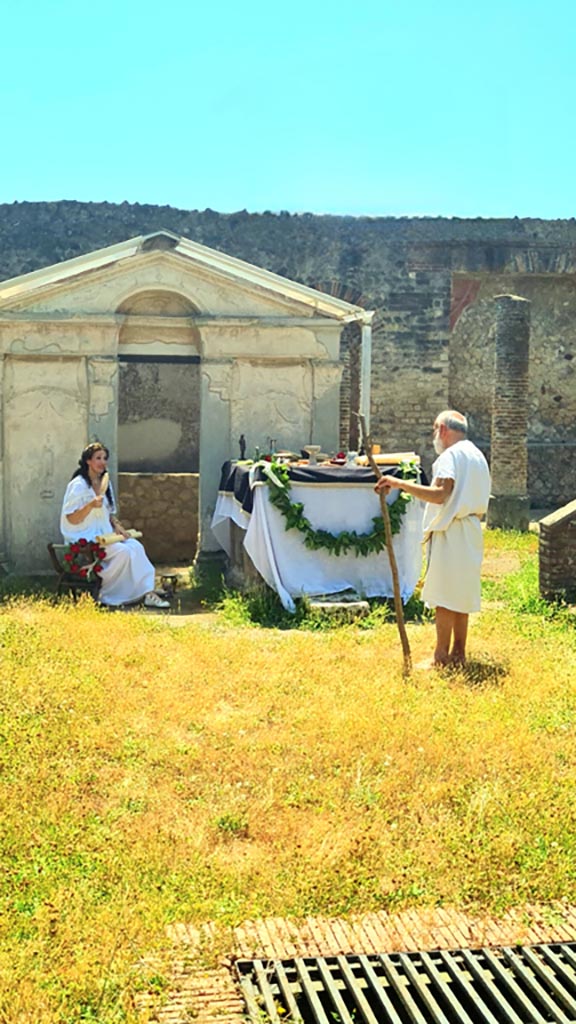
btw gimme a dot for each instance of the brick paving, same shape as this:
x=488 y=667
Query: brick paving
x=209 y=995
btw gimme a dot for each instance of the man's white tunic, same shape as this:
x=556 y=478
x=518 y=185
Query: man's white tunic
x=127 y=573
x=454 y=532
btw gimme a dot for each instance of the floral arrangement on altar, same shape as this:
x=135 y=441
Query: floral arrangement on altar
x=84 y=558
x=278 y=481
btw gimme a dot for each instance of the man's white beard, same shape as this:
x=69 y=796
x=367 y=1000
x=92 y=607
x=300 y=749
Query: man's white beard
x=438 y=446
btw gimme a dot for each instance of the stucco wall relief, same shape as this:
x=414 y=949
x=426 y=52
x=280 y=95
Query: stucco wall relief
x=327 y=377
x=44 y=417
x=272 y=401
x=30 y=346
x=218 y=377
x=103 y=377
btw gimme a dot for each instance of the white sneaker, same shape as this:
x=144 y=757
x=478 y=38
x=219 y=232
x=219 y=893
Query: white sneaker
x=152 y=600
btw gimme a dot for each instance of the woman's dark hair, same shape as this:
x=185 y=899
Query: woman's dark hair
x=83 y=470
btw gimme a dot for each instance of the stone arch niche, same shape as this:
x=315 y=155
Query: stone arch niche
x=159 y=421
x=159 y=384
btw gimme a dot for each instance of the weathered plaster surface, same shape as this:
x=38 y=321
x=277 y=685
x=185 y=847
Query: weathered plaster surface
x=103 y=376
x=45 y=420
x=159 y=417
x=325 y=408
x=272 y=400
x=107 y=289
x=255 y=340
x=57 y=337
x=153 y=439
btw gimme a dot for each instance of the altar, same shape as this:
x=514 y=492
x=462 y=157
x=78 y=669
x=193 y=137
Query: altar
x=335 y=498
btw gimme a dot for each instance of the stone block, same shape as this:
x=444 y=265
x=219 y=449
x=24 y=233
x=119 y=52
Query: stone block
x=508 y=512
x=346 y=611
x=165 y=507
x=557 y=553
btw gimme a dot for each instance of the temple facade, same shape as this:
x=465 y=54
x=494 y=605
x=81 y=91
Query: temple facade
x=168 y=352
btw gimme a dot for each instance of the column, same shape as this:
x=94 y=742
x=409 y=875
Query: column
x=366 y=371
x=102 y=376
x=509 y=505
x=215 y=447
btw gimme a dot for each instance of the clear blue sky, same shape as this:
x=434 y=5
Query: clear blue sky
x=370 y=107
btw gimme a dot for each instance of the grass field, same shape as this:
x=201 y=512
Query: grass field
x=221 y=770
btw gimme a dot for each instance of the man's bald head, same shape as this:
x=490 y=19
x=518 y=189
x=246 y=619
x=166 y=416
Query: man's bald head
x=453 y=420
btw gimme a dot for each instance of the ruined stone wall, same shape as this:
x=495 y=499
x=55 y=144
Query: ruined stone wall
x=405 y=270
x=410 y=363
x=557 y=553
x=552 y=376
x=164 y=506
x=304 y=247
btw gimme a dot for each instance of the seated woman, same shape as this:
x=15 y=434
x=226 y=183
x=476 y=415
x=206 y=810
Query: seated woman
x=127 y=574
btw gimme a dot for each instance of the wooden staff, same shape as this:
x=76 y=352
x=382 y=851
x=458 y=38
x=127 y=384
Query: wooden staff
x=398 y=607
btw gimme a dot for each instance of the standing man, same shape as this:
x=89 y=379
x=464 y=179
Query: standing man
x=456 y=499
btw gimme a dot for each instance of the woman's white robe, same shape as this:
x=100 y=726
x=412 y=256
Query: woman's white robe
x=454 y=532
x=127 y=573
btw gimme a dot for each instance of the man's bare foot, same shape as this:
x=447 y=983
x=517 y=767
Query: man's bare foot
x=441 y=659
x=457 y=660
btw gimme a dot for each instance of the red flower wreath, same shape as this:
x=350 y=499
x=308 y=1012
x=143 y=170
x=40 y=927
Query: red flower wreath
x=83 y=558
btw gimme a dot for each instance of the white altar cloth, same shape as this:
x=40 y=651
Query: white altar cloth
x=293 y=570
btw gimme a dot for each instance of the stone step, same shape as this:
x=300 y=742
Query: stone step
x=338 y=605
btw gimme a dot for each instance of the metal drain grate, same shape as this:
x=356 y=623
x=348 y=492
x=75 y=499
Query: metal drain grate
x=520 y=985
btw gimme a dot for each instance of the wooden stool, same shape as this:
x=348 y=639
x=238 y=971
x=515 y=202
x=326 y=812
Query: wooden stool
x=69 y=582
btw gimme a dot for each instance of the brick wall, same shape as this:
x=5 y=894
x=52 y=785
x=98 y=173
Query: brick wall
x=410 y=361
x=557 y=552
x=350 y=347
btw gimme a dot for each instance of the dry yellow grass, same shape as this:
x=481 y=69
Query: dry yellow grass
x=151 y=774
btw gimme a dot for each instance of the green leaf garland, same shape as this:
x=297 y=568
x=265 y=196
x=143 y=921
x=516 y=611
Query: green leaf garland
x=348 y=540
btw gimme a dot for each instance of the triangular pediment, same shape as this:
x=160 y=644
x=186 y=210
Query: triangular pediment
x=214 y=283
